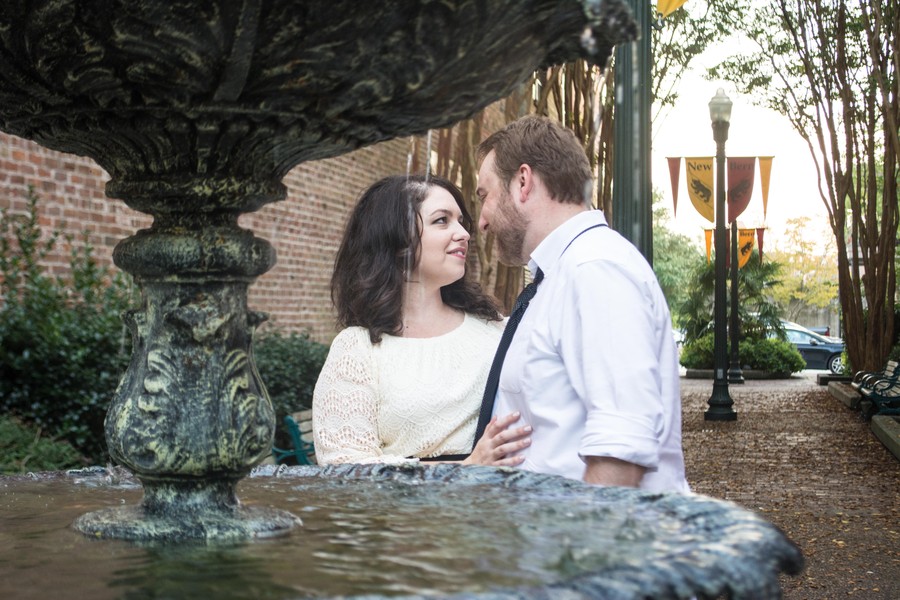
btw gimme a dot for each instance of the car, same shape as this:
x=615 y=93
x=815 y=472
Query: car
x=819 y=351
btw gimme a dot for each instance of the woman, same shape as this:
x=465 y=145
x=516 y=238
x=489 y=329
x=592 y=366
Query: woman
x=404 y=380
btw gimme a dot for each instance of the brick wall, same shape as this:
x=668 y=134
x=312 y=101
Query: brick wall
x=305 y=228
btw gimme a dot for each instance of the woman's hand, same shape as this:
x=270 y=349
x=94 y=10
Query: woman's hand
x=499 y=442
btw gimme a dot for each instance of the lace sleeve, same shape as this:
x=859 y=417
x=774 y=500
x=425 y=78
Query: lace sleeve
x=345 y=404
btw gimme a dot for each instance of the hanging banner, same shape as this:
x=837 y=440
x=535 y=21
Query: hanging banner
x=759 y=241
x=667 y=7
x=765 y=170
x=700 y=185
x=674 y=174
x=740 y=184
x=707 y=233
x=745 y=245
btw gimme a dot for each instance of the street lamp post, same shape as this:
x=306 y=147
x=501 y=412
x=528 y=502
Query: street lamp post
x=735 y=373
x=720 y=402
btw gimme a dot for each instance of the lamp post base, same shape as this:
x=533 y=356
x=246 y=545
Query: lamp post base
x=720 y=403
x=735 y=375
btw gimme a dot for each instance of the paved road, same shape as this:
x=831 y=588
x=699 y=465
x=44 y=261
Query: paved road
x=811 y=466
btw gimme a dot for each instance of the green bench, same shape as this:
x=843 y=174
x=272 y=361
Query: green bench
x=299 y=427
x=865 y=379
x=879 y=391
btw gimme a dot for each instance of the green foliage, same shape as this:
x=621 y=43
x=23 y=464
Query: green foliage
x=770 y=355
x=698 y=354
x=63 y=347
x=809 y=276
x=674 y=257
x=289 y=365
x=759 y=314
x=24 y=449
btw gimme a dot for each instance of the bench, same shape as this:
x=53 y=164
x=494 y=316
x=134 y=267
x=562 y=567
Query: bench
x=864 y=379
x=299 y=426
x=883 y=398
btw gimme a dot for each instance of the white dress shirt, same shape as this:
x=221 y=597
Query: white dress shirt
x=593 y=366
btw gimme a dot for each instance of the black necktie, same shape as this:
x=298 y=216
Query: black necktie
x=493 y=380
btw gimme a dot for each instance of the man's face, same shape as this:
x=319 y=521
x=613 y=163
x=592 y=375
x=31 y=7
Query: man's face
x=500 y=214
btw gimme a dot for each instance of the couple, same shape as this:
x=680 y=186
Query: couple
x=589 y=385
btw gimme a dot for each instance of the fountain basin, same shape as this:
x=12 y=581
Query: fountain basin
x=408 y=531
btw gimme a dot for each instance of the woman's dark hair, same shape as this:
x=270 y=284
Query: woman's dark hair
x=380 y=244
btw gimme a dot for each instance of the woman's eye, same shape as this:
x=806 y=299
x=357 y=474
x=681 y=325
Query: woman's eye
x=440 y=220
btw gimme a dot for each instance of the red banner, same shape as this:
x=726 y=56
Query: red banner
x=674 y=173
x=740 y=184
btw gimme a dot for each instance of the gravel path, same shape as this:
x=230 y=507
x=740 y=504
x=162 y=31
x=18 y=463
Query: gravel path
x=813 y=467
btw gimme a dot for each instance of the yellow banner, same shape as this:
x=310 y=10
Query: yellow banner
x=667 y=7
x=707 y=233
x=746 y=238
x=765 y=170
x=700 y=185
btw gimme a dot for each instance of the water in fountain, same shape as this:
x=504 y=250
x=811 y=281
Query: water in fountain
x=388 y=531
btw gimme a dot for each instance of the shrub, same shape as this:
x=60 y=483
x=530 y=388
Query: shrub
x=698 y=354
x=23 y=449
x=771 y=355
x=289 y=365
x=63 y=346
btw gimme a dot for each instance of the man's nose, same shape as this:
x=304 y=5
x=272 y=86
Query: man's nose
x=482 y=223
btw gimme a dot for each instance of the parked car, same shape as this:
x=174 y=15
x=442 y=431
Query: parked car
x=819 y=351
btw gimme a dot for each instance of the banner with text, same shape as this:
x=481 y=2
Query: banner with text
x=740 y=184
x=745 y=245
x=700 y=185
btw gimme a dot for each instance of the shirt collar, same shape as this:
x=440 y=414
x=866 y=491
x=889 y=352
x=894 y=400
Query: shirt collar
x=551 y=248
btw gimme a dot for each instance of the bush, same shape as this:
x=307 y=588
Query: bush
x=289 y=365
x=770 y=355
x=23 y=449
x=63 y=347
x=699 y=353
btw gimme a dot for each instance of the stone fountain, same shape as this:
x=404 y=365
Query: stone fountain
x=197 y=110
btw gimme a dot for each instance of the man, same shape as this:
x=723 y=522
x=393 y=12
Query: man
x=593 y=366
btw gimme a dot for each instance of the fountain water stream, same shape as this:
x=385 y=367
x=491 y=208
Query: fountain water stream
x=197 y=110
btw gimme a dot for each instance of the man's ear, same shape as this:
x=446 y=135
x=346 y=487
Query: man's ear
x=524 y=181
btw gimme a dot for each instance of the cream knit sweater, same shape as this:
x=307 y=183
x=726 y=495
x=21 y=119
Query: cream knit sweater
x=404 y=397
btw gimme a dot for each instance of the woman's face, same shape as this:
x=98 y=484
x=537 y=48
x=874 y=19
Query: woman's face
x=444 y=241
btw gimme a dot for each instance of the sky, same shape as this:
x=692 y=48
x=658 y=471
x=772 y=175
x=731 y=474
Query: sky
x=686 y=130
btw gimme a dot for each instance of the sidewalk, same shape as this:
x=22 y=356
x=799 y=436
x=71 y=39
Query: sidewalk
x=813 y=467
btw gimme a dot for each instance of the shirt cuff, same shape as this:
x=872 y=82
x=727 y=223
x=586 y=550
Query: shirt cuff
x=632 y=438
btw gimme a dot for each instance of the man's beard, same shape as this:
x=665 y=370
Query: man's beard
x=509 y=231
